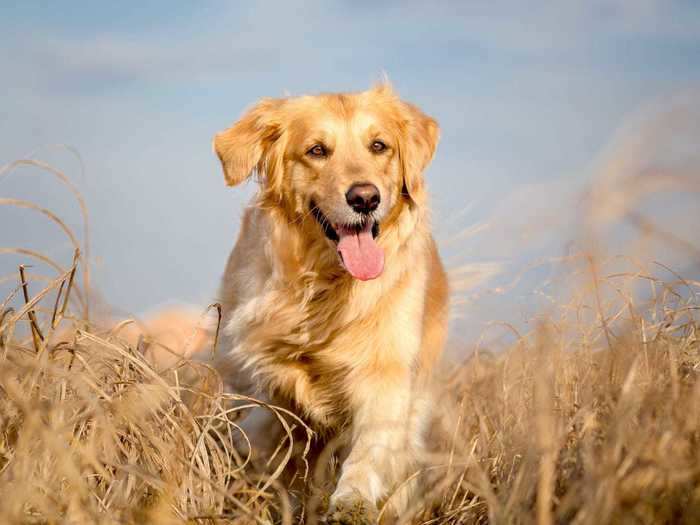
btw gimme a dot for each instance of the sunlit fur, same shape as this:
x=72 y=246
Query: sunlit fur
x=341 y=352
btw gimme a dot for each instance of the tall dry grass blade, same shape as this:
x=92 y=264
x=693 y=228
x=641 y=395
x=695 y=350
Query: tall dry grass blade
x=19 y=203
x=4 y=312
x=63 y=179
x=8 y=328
x=69 y=288
x=48 y=261
x=215 y=344
x=54 y=313
x=37 y=336
x=603 y=318
x=545 y=427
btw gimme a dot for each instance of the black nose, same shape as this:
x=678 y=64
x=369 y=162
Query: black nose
x=363 y=198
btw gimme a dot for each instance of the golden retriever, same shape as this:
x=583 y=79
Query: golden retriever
x=334 y=297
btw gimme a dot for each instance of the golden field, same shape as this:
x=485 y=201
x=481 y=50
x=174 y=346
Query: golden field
x=592 y=416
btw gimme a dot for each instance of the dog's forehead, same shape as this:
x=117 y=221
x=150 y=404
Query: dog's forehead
x=337 y=115
x=364 y=119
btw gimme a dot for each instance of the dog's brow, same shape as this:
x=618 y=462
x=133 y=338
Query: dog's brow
x=316 y=130
x=364 y=121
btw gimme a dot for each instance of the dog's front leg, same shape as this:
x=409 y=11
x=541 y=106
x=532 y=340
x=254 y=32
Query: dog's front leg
x=385 y=439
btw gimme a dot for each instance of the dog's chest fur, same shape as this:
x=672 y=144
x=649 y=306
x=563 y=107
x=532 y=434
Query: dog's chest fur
x=308 y=341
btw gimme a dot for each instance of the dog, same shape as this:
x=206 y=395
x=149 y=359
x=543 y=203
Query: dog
x=334 y=297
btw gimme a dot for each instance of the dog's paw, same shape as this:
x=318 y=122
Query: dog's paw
x=351 y=512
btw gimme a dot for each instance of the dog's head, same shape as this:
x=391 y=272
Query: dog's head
x=350 y=161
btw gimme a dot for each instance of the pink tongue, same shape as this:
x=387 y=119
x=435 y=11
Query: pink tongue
x=361 y=255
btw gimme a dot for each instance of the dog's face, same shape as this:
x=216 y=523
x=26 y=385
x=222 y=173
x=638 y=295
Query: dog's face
x=350 y=161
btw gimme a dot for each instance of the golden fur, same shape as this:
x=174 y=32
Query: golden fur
x=164 y=336
x=341 y=352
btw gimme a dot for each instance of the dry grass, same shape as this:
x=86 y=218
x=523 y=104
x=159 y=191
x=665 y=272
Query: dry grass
x=550 y=431
x=592 y=417
x=554 y=431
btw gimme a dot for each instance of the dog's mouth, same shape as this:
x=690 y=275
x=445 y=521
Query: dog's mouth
x=359 y=253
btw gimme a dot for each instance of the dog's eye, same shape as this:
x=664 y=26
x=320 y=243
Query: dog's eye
x=378 y=146
x=317 y=150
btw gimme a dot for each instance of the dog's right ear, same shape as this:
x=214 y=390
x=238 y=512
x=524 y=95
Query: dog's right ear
x=241 y=148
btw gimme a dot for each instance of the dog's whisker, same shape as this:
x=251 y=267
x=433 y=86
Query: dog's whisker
x=301 y=218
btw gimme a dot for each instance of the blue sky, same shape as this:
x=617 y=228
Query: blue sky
x=528 y=96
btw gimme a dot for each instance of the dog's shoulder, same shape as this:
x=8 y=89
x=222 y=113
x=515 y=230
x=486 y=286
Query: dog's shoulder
x=248 y=266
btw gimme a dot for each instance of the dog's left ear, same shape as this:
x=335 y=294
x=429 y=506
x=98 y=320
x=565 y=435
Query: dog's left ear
x=242 y=147
x=422 y=134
